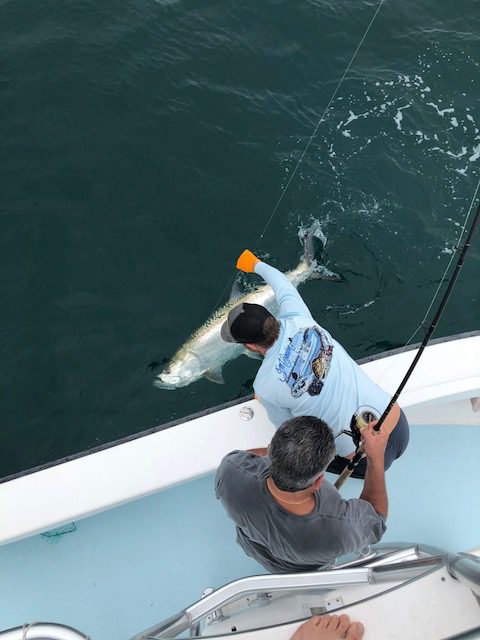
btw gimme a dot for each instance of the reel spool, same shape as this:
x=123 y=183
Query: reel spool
x=360 y=419
x=365 y=415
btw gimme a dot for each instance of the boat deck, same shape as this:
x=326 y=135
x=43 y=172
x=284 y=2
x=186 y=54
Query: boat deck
x=123 y=570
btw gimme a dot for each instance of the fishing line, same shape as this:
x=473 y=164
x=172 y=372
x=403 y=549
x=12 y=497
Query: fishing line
x=225 y=289
x=454 y=253
x=322 y=119
x=403 y=349
x=359 y=454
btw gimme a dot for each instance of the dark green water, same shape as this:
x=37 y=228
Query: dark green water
x=145 y=144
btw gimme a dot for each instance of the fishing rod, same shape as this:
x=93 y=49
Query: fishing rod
x=359 y=453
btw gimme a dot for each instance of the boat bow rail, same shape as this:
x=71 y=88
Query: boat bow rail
x=42 y=631
x=243 y=605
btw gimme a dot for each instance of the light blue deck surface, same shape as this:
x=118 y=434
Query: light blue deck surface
x=126 y=569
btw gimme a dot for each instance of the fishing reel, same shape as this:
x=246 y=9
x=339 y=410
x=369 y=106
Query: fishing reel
x=362 y=418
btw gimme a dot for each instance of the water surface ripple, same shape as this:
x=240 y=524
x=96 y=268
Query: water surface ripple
x=146 y=144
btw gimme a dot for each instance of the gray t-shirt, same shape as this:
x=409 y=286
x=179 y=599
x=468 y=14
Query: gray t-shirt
x=284 y=542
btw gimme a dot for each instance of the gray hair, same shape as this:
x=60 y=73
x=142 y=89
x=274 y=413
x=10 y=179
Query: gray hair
x=300 y=451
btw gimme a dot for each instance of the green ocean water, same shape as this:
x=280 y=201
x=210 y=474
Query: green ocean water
x=146 y=144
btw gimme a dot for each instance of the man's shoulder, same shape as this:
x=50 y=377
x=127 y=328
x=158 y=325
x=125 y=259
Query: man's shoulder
x=239 y=475
x=242 y=463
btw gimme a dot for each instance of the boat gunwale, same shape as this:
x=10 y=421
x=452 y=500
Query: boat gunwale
x=211 y=410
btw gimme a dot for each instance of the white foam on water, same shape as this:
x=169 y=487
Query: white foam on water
x=441 y=112
x=399 y=117
x=350 y=308
x=476 y=153
x=356 y=309
x=457 y=155
x=383 y=100
x=455 y=222
x=421 y=137
x=351 y=118
x=369 y=140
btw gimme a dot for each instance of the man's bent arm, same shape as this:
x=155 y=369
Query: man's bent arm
x=392 y=418
x=288 y=299
x=375 y=489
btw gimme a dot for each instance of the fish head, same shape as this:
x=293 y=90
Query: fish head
x=179 y=372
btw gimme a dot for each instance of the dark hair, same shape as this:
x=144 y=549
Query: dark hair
x=300 y=451
x=271 y=329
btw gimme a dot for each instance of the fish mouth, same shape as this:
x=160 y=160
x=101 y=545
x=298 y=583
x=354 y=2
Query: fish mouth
x=168 y=381
x=173 y=377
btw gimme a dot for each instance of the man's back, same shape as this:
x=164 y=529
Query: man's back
x=307 y=372
x=283 y=541
x=286 y=382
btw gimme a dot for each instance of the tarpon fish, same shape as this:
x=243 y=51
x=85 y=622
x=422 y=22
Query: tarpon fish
x=205 y=353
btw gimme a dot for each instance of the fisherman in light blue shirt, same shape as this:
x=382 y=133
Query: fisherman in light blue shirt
x=305 y=371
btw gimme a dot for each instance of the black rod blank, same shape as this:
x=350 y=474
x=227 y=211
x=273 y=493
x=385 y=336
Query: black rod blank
x=350 y=467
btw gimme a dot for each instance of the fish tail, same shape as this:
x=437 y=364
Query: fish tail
x=306 y=236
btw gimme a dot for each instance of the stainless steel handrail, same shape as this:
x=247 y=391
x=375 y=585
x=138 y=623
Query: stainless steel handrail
x=246 y=586
x=384 y=553
x=169 y=628
x=397 y=565
x=42 y=631
x=277 y=583
x=466 y=568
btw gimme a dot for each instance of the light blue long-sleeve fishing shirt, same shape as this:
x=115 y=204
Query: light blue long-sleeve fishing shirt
x=307 y=372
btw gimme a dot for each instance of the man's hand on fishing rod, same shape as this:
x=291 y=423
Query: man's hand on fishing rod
x=374 y=489
x=374 y=443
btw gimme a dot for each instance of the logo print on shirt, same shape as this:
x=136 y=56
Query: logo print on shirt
x=305 y=363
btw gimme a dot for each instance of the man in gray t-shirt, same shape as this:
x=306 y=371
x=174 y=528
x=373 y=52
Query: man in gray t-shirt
x=288 y=517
